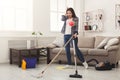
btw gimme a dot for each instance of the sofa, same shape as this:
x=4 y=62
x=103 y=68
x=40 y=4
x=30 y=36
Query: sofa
x=91 y=49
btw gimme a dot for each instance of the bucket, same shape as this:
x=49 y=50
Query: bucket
x=31 y=62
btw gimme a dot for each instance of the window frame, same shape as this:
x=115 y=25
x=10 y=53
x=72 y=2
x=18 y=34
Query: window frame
x=59 y=12
x=14 y=28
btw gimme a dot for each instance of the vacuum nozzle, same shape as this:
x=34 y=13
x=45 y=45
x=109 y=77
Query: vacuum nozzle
x=76 y=75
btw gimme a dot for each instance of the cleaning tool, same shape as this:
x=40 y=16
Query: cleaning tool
x=41 y=74
x=23 y=64
x=31 y=62
x=76 y=75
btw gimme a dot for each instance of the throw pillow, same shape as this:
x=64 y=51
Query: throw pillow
x=59 y=41
x=51 y=45
x=103 y=43
x=111 y=42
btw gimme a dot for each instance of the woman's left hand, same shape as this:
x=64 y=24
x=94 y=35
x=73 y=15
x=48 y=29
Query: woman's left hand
x=75 y=35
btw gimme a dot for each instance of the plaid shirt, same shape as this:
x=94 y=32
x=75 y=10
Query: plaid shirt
x=74 y=29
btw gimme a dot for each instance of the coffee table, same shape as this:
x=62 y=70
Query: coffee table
x=17 y=54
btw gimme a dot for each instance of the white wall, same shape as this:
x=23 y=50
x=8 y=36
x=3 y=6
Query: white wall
x=41 y=16
x=3 y=50
x=79 y=9
x=109 y=15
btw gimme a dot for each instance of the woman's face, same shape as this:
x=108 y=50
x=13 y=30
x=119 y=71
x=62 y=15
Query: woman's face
x=69 y=14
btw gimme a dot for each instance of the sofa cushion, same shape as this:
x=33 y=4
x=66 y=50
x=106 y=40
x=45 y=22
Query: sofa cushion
x=51 y=45
x=86 y=42
x=84 y=50
x=97 y=52
x=111 y=48
x=102 y=43
x=56 y=50
x=98 y=40
x=111 y=42
x=59 y=41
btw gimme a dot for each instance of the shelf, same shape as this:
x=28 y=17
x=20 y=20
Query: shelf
x=93 y=21
x=93 y=30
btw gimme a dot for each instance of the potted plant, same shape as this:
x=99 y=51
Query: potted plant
x=36 y=34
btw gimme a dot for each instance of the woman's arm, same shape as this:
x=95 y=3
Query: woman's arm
x=76 y=25
x=64 y=18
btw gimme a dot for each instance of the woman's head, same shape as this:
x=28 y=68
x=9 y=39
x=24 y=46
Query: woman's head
x=70 y=13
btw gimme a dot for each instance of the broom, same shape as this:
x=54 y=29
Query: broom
x=41 y=74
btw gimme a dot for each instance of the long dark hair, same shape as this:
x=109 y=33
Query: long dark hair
x=72 y=11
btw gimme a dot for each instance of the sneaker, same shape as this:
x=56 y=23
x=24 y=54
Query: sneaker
x=85 y=64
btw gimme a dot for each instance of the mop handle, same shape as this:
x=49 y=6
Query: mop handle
x=56 y=55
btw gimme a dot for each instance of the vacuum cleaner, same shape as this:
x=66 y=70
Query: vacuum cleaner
x=76 y=75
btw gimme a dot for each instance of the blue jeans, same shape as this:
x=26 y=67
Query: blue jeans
x=67 y=49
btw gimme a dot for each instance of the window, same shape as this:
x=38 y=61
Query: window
x=16 y=15
x=58 y=8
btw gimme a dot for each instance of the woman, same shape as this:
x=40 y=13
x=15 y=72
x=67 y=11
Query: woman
x=70 y=28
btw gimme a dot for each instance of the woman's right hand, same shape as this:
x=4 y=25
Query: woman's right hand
x=75 y=35
x=64 y=17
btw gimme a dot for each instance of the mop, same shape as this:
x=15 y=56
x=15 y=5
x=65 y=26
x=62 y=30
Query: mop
x=40 y=75
x=76 y=75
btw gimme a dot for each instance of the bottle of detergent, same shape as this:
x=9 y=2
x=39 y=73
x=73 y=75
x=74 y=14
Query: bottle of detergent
x=23 y=64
